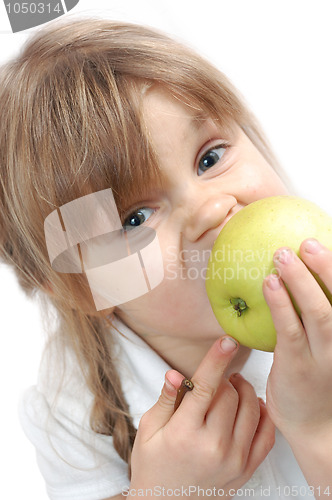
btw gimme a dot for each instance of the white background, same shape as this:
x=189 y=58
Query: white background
x=278 y=53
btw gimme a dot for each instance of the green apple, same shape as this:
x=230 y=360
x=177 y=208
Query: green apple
x=242 y=257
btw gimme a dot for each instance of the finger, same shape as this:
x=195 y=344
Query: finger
x=319 y=259
x=207 y=379
x=262 y=442
x=291 y=337
x=316 y=311
x=223 y=409
x=248 y=413
x=158 y=416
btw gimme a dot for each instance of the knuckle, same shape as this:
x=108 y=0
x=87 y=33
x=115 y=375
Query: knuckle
x=293 y=331
x=267 y=445
x=244 y=385
x=203 y=390
x=280 y=307
x=263 y=447
x=253 y=411
x=230 y=392
x=145 y=421
x=270 y=440
x=182 y=446
x=322 y=260
x=212 y=452
x=165 y=401
x=321 y=312
x=215 y=453
x=239 y=462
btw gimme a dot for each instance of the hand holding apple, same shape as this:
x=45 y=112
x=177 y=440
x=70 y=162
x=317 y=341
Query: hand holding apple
x=242 y=257
x=292 y=238
x=299 y=397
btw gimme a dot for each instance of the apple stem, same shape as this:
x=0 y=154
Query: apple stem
x=239 y=305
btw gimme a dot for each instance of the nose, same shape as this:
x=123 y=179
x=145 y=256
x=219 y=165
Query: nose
x=207 y=215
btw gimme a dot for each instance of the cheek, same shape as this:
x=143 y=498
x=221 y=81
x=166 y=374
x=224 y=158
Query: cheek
x=259 y=181
x=271 y=184
x=255 y=175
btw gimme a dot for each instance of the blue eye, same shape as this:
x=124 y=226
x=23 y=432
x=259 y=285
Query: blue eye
x=210 y=158
x=137 y=218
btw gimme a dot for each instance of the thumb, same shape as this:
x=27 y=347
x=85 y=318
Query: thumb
x=163 y=409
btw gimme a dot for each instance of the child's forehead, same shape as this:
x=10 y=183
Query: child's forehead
x=158 y=101
x=168 y=119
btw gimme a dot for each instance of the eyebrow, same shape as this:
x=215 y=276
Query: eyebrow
x=198 y=120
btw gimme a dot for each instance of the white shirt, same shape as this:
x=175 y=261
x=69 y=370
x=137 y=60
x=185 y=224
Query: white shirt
x=79 y=464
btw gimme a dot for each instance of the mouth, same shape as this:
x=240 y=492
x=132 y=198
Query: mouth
x=234 y=210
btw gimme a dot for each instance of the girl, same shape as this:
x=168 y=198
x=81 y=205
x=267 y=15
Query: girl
x=95 y=105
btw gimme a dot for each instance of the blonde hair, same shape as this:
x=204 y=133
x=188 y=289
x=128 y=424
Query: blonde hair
x=71 y=124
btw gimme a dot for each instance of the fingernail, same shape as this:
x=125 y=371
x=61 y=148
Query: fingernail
x=284 y=256
x=312 y=246
x=228 y=345
x=273 y=282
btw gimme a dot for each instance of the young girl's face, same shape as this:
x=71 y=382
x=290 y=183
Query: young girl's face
x=208 y=176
